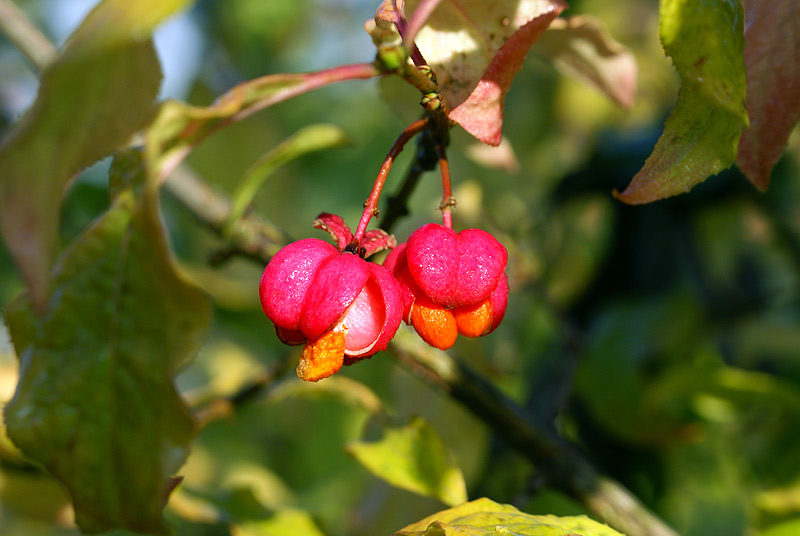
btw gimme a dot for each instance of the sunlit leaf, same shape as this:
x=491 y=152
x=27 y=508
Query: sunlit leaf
x=482 y=113
x=484 y=517
x=462 y=37
x=475 y=49
x=283 y=523
x=700 y=137
x=91 y=100
x=309 y=139
x=179 y=127
x=95 y=403
x=772 y=56
x=582 y=48
x=414 y=458
x=787 y=528
x=339 y=388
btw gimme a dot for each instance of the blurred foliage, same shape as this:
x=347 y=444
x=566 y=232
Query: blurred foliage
x=664 y=339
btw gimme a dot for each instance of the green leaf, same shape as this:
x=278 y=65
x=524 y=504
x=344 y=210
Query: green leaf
x=306 y=140
x=91 y=100
x=705 y=40
x=413 y=458
x=787 y=528
x=179 y=127
x=486 y=517
x=283 y=523
x=95 y=403
x=339 y=388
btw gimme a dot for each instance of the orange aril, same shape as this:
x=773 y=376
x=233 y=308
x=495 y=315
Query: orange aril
x=435 y=324
x=474 y=320
x=322 y=357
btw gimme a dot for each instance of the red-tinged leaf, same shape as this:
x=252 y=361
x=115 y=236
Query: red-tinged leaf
x=772 y=57
x=91 y=100
x=376 y=240
x=582 y=48
x=482 y=113
x=179 y=127
x=461 y=37
x=335 y=226
x=700 y=137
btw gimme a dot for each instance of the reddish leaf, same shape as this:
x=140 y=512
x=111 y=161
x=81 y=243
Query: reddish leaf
x=482 y=113
x=474 y=47
x=772 y=57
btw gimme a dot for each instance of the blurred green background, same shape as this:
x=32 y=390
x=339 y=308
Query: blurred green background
x=664 y=339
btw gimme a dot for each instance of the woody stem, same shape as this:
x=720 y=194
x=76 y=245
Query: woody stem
x=371 y=204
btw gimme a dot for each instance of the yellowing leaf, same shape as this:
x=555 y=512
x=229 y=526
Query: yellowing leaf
x=772 y=56
x=95 y=403
x=484 y=517
x=700 y=137
x=91 y=100
x=413 y=458
x=283 y=523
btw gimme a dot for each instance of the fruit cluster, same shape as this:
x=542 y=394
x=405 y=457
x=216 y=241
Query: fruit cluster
x=345 y=308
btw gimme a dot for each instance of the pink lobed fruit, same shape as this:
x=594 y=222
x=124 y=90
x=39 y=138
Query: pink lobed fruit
x=342 y=307
x=451 y=283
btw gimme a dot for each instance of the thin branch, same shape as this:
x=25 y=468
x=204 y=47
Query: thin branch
x=217 y=408
x=250 y=235
x=25 y=36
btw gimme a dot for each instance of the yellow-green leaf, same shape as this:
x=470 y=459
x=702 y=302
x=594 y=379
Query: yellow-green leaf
x=91 y=100
x=705 y=39
x=309 y=139
x=413 y=458
x=95 y=403
x=484 y=517
x=283 y=523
